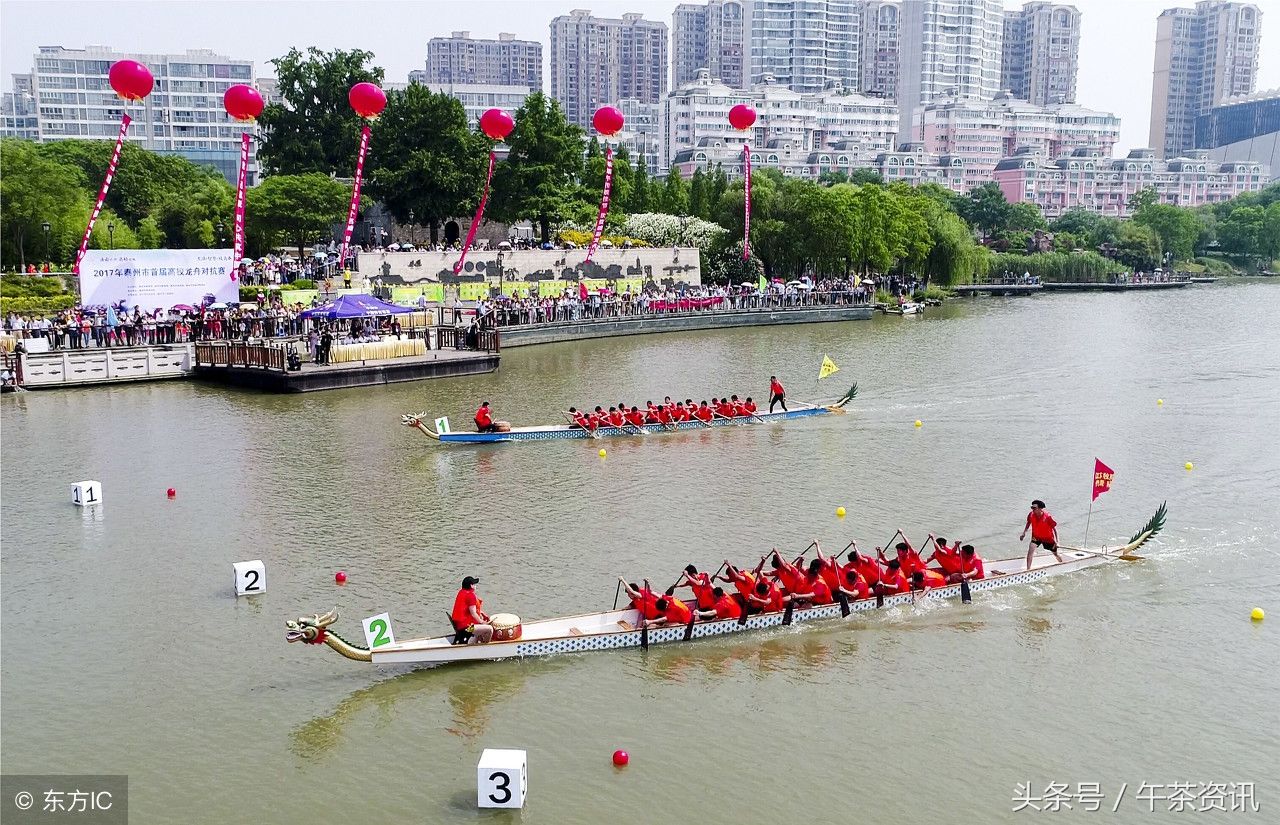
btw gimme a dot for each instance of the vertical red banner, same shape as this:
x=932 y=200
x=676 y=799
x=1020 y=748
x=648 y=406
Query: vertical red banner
x=238 y=222
x=746 y=203
x=1102 y=476
x=475 y=222
x=604 y=203
x=355 y=199
x=102 y=193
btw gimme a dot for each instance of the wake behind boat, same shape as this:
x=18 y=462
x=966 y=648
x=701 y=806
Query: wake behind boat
x=442 y=433
x=614 y=629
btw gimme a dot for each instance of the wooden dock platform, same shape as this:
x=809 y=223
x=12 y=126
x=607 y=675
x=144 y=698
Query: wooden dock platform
x=997 y=289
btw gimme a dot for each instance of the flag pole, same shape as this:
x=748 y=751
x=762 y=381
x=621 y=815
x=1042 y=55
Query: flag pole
x=1085 y=543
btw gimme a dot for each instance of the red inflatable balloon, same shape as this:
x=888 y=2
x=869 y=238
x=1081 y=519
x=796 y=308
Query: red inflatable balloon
x=742 y=116
x=242 y=102
x=367 y=99
x=131 y=79
x=496 y=124
x=607 y=120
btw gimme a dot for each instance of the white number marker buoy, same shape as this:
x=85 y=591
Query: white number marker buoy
x=442 y=425
x=377 y=631
x=502 y=778
x=251 y=577
x=84 y=493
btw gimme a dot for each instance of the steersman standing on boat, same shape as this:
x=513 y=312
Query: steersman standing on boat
x=1044 y=532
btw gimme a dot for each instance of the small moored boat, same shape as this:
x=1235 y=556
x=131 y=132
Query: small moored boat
x=442 y=433
x=613 y=629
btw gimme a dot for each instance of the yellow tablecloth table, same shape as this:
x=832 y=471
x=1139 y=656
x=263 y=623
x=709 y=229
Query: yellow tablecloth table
x=377 y=351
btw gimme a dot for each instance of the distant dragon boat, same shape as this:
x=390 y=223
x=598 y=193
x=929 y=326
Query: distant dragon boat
x=615 y=629
x=443 y=434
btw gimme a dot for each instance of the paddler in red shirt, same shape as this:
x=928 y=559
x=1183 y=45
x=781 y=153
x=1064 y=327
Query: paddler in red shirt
x=767 y=598
x=893 y=580
x=615 y=417
x=671 y=611
x=642 y=599
x=725 y=607
x=743 y=581
x=1044 y=531
x=948 y=558
x=484 y=419
x=829 y=568
x=922 y=581
x=854 y=586
x=703 y=413
x=735 y=407
x=789 y=578
x=866 y=566
x=664 y=414
x=971 y=566
x=749 y=406
x=777 y=395
x=908 y=559
x=635 y=417
x=700 y=584
x=579 y=418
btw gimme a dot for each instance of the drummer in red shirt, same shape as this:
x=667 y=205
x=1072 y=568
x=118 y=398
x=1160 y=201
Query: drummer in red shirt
x=467 y=617
x=1044 y=531
x=484 y=419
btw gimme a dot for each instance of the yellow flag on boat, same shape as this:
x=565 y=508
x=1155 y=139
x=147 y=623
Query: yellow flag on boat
x=828 y=367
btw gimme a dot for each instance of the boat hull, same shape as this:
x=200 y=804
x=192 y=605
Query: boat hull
x=562 y=431
x=604 y=631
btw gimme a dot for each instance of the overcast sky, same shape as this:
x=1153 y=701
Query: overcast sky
x=1116 y=52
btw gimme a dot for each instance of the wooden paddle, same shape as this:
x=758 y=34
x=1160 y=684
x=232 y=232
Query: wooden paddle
x=616 y=594
x=878 y=586
x=843 y=598
x=965 y=596
x=688 y=629
x=787 y=614
x=644 y=623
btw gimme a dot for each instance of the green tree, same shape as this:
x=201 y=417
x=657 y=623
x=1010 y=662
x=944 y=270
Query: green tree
x=1240 y=233
x=299 y=208
x=1269 y=239
x=539 y=177
x=862 y=176
x=314 y=129
x=1178 y=228
x=35 y=190
x=1138 y=246
x=717 y=185
x=149 y=234
x=641 y=192
x=675 y=194
x=1024 y=217
x=986 y=208
x=698 y=204
x=429 y=163
x=1143 y=198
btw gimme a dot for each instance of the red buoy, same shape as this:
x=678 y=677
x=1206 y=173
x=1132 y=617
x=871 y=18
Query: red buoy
x=621 y=758
x=172 y=493
x=340 y=577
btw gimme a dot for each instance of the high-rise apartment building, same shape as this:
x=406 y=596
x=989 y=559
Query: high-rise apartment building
x=1203 y=56
x=879 y=47
x=809 y=46
x=710 y=36
x=70 y=96
x=950 y=47
x=599 y=61
x=1041 y=53
x=502 y=62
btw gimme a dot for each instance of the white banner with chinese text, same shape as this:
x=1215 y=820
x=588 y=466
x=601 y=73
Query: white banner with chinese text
x=157 y=278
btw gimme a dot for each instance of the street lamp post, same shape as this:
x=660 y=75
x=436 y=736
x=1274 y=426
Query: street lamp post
x=111 y=234
x=46 y=227
x=221 y=227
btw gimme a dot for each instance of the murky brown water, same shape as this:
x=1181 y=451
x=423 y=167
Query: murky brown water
x=125 y=652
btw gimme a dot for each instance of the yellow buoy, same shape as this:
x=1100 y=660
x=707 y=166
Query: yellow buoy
x=1159 y=402
x=604 y=453
x=840 y=512
x=1188 y=465
x=919 y=423
x=1257 y=615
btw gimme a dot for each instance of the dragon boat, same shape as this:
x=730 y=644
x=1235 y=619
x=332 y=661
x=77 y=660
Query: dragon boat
x=549 y=432
x=616 y=629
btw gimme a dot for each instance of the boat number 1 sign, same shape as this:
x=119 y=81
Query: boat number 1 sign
x=377 y=631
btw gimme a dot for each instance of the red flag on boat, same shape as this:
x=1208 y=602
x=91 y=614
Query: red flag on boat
x=1102 y=475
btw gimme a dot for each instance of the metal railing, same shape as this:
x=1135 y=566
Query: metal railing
x=240 y=355
x=480 y=340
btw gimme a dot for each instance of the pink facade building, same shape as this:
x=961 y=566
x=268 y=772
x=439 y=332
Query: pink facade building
x=982 y=132
x=1090 y=180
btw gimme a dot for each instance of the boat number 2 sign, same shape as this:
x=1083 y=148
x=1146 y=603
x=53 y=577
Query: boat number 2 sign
x=377 y=631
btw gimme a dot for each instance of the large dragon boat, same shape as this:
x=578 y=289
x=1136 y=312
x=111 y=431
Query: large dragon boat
x=614 y=629
x=441 y=431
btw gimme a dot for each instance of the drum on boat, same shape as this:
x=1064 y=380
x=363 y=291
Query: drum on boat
x=506 y=627
x=503 y=426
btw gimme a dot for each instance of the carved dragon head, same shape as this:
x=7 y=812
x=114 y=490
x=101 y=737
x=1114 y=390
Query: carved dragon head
x=310 y=630
x=413 y=420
